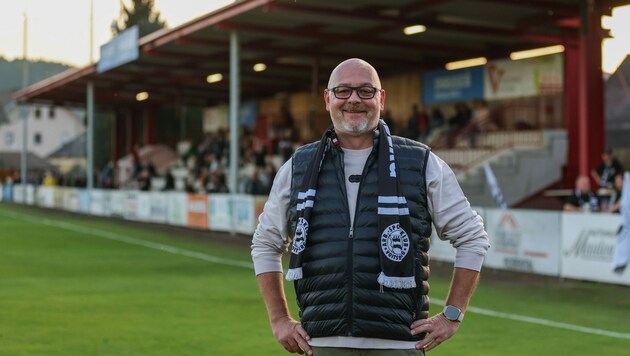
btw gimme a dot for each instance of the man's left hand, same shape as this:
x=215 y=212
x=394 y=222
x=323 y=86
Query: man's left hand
x=438 y=329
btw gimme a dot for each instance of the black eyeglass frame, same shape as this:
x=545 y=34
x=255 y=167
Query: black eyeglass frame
x=354 y=89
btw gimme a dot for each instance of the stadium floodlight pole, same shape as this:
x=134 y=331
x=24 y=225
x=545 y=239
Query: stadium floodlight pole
x=234 y=121
x=24 y=108
x=91 y=31
x=89 y=174
x=89 y=169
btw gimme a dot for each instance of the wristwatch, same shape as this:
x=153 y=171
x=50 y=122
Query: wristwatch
x=453 y=313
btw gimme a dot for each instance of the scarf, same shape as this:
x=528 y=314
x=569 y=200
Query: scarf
x=394 y=226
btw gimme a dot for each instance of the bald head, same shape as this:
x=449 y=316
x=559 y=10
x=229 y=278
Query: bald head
x=354 y=64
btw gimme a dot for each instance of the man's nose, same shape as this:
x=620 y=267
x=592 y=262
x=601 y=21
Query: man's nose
x=354 y=96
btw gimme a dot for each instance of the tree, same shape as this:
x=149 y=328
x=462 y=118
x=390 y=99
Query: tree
x=141 y=13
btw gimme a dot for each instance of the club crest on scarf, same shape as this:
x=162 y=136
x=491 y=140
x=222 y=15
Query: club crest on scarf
x=395 y=243
x=394 y=228
x=299 y=240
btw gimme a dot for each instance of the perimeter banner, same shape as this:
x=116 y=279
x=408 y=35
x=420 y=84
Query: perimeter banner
x=198 y=211
x=588 y=247
x=522 y=240
x=220 y=212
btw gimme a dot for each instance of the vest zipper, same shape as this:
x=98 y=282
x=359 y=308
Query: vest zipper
x=351 y=245
x=342 y=177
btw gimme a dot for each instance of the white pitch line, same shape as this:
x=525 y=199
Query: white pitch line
x=134 y=241
x=545 y=322
x=248 y=265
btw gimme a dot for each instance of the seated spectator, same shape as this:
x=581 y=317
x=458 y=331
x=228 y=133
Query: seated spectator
x=144 y=179
x=605 y=173
x=480 y=122
x=218 y=184
x=583 y=199
x=49 y=180
x=614 y=204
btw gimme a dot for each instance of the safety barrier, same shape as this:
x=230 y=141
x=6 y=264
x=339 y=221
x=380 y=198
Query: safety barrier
x=563 y=244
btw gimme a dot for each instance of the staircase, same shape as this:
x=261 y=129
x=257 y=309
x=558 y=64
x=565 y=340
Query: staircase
x=524 y=163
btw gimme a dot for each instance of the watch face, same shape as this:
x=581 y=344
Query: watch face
x=451 y=312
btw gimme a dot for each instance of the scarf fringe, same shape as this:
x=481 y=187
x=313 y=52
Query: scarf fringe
x=294 y=274
x=396 y=282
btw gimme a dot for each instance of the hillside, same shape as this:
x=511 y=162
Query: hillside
x=11 y=72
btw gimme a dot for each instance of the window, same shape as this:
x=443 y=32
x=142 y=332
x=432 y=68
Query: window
x=38 y=113
x=37 y=138
x=51 y=112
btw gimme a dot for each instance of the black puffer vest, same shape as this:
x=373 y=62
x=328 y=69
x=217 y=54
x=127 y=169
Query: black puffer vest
x=339 y=294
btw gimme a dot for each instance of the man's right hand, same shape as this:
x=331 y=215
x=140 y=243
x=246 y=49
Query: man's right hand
x=291 y=335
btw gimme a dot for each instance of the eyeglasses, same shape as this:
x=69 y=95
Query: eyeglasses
x=344 y=92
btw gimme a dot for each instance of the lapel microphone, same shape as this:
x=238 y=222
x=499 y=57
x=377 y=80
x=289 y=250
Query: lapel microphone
x=355 y=178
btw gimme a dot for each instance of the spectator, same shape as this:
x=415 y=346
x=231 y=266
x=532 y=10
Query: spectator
x=583 y=199
x=49 y=180
x=614 y=204
x=218 y=183
x=458 y=122
x=107 y=175
x=418 y=124
x=480 y=122
x=605 y=173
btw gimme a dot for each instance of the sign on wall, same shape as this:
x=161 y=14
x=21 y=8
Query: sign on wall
x=198 y=211
x=100 y=202
x=118 y=202
x=84 y=201
x=527 y=241
x=506 y=78
x=588 y=247
x=452 y=85
x=144 y=206
x=244 y=214
x=220 y=212
x=177 y=208
x=159 y=204
x=120 y=50
x=131 y=205
x=46 y=197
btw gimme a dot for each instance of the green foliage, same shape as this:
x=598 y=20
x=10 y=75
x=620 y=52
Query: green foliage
x=38 y=70
x=67 y=292
x=141 y=13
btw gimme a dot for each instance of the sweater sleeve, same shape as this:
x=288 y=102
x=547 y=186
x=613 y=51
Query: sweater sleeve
x=271 y=237
x=453 y=217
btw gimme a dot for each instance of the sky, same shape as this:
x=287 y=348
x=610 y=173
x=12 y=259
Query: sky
x=58 y=30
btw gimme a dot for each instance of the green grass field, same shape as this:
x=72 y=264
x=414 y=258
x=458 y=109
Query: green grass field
x=74 y=285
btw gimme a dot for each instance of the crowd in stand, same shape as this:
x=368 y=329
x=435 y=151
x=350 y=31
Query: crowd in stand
x=607 y=198
x=206 y=163
x=434 y=128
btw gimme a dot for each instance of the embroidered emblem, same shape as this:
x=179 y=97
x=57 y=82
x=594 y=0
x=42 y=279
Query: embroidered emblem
x=395 y=242
x=299 y=240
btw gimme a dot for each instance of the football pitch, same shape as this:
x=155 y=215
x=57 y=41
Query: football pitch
x=77 y=285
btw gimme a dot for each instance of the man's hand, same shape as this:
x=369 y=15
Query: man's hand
x=291 y=335
x=438 y=329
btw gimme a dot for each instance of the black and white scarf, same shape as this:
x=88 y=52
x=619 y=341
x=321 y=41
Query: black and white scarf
x=396 y=247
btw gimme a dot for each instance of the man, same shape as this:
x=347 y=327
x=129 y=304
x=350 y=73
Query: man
x=361 y=204
x=604 y=174
x=582 y=199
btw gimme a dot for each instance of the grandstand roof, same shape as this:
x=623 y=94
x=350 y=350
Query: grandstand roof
x=11 y=160
x=302 y=40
